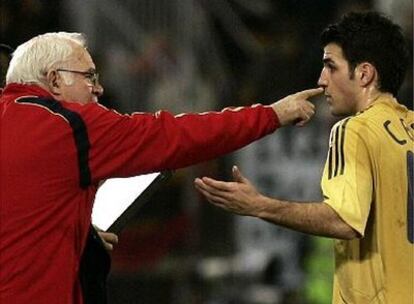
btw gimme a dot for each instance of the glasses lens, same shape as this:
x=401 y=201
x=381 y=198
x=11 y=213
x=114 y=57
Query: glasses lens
x=92 y=77
x=95 y=79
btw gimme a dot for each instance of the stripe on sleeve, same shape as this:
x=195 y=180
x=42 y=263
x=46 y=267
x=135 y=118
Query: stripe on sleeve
x=337 y=160
x=336 y=154
x=330 y=163
x=342 y=145
x=331 y=153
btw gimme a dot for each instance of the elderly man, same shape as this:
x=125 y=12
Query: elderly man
x=58 y=143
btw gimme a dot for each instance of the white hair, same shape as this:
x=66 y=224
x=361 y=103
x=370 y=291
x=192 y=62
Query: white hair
x=33 y=59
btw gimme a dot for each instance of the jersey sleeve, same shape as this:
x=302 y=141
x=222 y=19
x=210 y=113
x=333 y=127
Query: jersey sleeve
x=126 y=145
x=347 y=184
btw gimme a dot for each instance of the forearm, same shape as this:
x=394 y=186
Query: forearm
x=241 y=197
x=315 y=218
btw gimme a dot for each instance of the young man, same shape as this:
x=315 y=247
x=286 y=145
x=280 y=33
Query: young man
x=367 y=183
x=58 y=144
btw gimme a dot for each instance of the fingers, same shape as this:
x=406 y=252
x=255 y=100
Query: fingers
x=310 y=93
x=308 y=108
x=218 y=185
x=212 y=186
x=238 y=176
x=108 y=247
x=209 y=195
x=109 y=239
x=306 y=113
x=215 y=196
x=220 y=188
x=296 y=108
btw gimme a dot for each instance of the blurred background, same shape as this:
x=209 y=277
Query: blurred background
x=198 y=55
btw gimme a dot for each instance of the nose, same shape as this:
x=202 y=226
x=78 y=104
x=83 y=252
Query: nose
x=97 y=90
x=323 y=81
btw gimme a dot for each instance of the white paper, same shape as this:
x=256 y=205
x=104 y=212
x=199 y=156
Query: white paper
x=115 y=196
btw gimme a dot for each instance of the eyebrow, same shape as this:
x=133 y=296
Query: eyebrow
x=327 y=60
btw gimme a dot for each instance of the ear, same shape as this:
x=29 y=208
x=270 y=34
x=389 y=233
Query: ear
x=54 y=82
x=366 y=74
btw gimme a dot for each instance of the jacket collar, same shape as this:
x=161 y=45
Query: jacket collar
x=17 y=90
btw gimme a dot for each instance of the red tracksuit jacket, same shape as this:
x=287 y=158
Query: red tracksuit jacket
x=52 y=157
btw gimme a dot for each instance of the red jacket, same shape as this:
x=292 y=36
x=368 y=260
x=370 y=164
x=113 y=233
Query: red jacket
x=52 y=157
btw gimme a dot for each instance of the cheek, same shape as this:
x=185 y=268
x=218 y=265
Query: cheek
x=89 y=90
x=68 y=93
x=344 y=98
x=341 y=88
x=85 y=95
x=83 y=89
x=80 y=93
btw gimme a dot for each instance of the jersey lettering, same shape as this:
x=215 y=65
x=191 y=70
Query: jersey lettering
x=400 y=141
x=407 y=130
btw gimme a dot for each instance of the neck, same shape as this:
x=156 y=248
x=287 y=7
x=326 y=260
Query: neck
x=47 y=88
x=368 y=97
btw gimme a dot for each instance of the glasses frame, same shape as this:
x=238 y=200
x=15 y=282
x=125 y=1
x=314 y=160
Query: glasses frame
x=91 y=75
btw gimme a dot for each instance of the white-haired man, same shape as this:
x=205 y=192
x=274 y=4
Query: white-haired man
x=58 y=143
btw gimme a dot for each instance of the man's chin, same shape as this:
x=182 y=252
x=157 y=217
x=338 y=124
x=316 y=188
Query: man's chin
x=335 y=111
x=338 y=112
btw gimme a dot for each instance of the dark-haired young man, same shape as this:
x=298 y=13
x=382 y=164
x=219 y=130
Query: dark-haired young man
x=367 y=183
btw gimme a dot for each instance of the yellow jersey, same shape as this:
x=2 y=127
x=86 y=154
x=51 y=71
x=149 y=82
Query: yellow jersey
x=368 y=181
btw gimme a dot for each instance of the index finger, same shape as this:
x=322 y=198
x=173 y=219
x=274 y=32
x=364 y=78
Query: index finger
x=311 y=92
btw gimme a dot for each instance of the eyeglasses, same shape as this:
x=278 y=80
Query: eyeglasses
x=91 y=75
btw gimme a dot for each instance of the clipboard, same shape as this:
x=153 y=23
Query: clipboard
x=119 y=199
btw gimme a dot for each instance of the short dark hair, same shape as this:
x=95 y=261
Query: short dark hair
x=373 y=38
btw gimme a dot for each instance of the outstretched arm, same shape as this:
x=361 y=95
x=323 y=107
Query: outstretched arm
x=242 y=198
